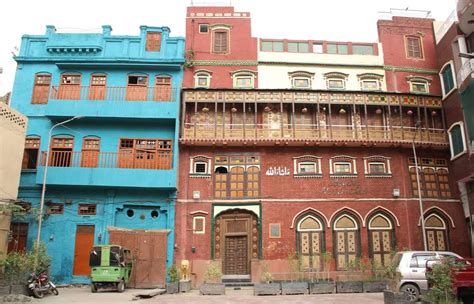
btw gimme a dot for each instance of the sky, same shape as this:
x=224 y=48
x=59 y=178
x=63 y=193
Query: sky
x=336 y=20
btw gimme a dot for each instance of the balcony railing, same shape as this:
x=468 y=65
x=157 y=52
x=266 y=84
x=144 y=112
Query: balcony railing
x=466 y=70
x=98 y=93
x=307 y=131
x=161 y=160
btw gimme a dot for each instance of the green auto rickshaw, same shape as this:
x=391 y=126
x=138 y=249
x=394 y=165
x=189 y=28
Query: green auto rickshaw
x=111 y=266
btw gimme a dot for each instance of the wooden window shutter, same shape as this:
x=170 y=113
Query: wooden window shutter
x=153 y=41
x=221 y=42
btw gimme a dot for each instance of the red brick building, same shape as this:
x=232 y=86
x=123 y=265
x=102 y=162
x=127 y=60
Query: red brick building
x=314 y=158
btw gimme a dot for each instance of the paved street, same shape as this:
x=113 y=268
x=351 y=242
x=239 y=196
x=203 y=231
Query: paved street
x=83 y=295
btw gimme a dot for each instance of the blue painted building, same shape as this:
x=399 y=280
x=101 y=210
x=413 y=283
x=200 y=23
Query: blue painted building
x=113 y=167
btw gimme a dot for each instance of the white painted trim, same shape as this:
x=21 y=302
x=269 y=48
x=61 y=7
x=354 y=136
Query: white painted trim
x=380 y=228
x=440 y=210
x=304 y=218
x=208 y=77
x=219 y=209
x=345 y=229
x=203 y=224
x=198 y=212
x=435 y=228
x=453 y=75
x=306 y=210
x=346 y=208
x=461 y=125
x=384 y=209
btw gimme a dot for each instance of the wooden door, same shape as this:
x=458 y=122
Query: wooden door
x=163 y=89
x=149 y=250
x=82 y=248
x=137 y=88
x=19 y=232
x=41 y=89
x=70 y=87
x=310 y=243
x=236 y=255
x=90 y=152
x=436 y=240
x=381 y=246
x=97 y=87
x=346 y=250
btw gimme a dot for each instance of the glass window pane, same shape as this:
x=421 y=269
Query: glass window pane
x=278 y=46
x=303 y=47
x=456 y=140
x=336 y=83
x=363 y=49
x=266 y=46
x=342 y=48
x=332 y=48
x=292 y=47
x=370 y=85
x=448 y=82
x=301 y=83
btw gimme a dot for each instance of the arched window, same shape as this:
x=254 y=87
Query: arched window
x=31 y=153
x=447 y=77
x=70 y=86
x=243 y=79
x=346 y=240
x=301 y=79
x=202 y=79
x=163 y=88
x=381 y=238
x=436 y=233
x=419 y=84
x=41 y=88
x=90 y=152
x=336 y=80
x=98 y=87
x=310 y=242
x=370 y=82
x=61 y=154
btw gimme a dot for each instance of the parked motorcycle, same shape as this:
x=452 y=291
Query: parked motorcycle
x=39 y=284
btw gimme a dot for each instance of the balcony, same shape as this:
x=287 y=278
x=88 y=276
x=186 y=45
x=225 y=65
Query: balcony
x=465 y=10
x=108 y=169
x=317 y=118
x=465 y=72
x=113 y=102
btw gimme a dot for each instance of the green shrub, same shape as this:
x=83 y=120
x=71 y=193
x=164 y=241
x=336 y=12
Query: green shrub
x=173 y=274
x=213 y=273
x=441 y=280
x=18 y=265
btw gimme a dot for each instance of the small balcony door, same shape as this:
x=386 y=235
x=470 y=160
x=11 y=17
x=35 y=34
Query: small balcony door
x=61 y=152
x=98 y=87
x=137 y=88
x=70 y=87
x=163 y=88
x=90 y=152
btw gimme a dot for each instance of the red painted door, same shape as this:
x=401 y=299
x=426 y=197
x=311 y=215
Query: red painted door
x=84 y=243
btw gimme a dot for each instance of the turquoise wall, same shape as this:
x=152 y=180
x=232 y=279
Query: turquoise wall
x=113 y=190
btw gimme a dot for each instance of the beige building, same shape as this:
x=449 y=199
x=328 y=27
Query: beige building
x=12 y=142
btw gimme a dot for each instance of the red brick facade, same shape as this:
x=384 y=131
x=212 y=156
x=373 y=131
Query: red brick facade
x=286 y=197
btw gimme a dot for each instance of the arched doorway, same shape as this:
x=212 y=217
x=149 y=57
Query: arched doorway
x=381 y=238
x=236 y=240
x=310 y=242
x=347 y=241
x=436 y=233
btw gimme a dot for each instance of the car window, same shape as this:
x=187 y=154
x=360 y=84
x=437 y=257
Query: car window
x=419 y=260
x=448 y=255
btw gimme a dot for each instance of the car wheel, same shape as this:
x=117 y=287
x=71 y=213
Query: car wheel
x=93 y=288
x=411 y=291
x=121 y=286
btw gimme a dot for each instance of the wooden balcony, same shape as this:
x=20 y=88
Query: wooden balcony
x=98 y=93
x=292 y=117
x=304 y=133
x=95 y=159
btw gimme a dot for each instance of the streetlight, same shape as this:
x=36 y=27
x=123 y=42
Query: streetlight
x=43 y=191
x=418 y=126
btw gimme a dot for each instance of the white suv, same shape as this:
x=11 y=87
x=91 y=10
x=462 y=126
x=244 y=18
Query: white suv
x=412 y=267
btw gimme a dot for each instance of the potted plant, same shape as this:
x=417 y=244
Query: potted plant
x=392 y=294
x=325 y=285
x=296 y=286
x=375 y=282
x=266 y=287
x=351 y=285
x=212 y=281
x=173 y=275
